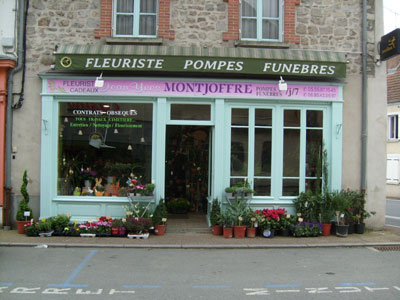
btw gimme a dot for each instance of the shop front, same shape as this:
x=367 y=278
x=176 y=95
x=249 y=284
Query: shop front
x=190 y=136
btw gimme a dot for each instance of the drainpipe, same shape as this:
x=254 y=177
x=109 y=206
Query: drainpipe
x=364 y=97
x=10 y=86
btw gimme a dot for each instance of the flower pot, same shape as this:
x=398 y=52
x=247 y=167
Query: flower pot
x=216 y=229
x=269 y=233
x=342 y=230
x=251 y=232
x=115 y=230
x=285 y=232
x=138 y=236
x=99 y=193
x=122 y=230
x=21 y=226
x=159 y=229
x=228 y=232
x=360 y=228
x=45 y=234
x=326 y=229
x=239 y=232
x=351 y=229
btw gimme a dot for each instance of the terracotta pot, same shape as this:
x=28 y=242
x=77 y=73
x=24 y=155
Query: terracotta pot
x=239 y=232
x=326 y=229
x=251 y=232
x=228 y=232
x=159 y=229
x=21 y=226
x=99 y=193
x=216 y=229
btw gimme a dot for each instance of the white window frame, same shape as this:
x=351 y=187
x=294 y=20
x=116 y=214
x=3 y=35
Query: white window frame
x=260 y=18
x=136 y=19
x=393 y=169
x=393 y=136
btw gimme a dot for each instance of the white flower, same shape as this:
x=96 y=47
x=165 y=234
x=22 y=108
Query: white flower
x=300 y=220
x=164 y=219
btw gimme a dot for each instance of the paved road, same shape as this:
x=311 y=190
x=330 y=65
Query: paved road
x=334 y=273
x=393 y=212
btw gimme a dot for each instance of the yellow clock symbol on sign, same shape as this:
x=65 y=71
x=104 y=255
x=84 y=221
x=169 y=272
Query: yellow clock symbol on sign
x=66 y=62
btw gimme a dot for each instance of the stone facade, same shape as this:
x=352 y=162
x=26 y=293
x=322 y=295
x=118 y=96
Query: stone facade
x=333 y=25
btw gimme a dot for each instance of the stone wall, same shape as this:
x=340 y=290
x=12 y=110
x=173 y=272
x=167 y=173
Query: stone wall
x=333 y=25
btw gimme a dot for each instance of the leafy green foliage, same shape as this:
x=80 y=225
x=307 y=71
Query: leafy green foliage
x=23 y=204
x=215 y=214
x=159 y=213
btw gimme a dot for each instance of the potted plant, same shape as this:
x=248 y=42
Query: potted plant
x=178 y=206
x=215 y=218
x=44 y=227
x=115 y=225
x=230 y=191
x=150 y=189
x=159 y=218
x=228 y=219
x=24 y=212
x=327 y=214
x=138 y=227
x=360 y=213
x=59 y=223
x=250 y=221
x=341 y=204
x=88 y=229
x=32 y=229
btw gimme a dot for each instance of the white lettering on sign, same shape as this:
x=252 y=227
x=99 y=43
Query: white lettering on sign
x=200 y=64
x=299 y=68
x=124 y=63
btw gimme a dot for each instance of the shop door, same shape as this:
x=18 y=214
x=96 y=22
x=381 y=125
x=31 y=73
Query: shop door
x=187 y=167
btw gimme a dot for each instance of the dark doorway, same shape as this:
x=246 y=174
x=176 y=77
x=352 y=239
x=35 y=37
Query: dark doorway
x=187 y=166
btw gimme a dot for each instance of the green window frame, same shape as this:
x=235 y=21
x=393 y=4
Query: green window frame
x=291 y=140
x=261 y=20
x=135 y=18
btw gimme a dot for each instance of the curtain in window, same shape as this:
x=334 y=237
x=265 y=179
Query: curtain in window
x=249 y=19
x=270 y=28
x=124 y=17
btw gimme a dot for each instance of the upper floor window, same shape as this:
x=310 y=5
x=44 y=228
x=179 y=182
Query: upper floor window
x=261 y=20
x=135 y=18
x=393 y=127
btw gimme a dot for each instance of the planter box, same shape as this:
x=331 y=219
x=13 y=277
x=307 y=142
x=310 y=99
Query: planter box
x=138 y=236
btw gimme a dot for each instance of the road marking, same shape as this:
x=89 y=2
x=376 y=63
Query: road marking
x=357 y=284
x=281 y=285
x=75 y=273
x=142 y=286
x=211 y=286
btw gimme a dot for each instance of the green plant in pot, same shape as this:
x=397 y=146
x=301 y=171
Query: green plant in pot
x=228 y=220
x=159 y=218
x=341 y=204
x=327 y=214
x=215 y=218
x=150 y=189
x=24 y=212
x=59 y=223
x=359 y=212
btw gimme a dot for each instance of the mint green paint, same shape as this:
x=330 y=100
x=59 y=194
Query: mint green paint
x=84 y=208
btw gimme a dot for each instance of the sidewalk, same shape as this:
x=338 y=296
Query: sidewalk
x=390 y=236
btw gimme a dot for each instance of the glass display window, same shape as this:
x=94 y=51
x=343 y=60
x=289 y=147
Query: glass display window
x=104 y=148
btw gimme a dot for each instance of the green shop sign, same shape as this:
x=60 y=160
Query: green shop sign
x=200 y=64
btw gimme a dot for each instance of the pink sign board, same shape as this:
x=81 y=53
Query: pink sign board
x=209 y=89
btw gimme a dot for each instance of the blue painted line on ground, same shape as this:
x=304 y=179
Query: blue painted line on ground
x=5 y=283
x=142 y=286
x=75 y=273
x=357 y=283
x=211 y=287
x=281 y=285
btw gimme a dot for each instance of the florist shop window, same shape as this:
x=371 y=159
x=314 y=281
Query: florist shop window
x=102 y=146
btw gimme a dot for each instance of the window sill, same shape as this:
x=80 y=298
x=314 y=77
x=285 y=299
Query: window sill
x=255 y=44
x=134 y=41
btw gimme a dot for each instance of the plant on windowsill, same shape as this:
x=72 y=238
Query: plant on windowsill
x=24 y=212
x=150 y=189
x=159 y=218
